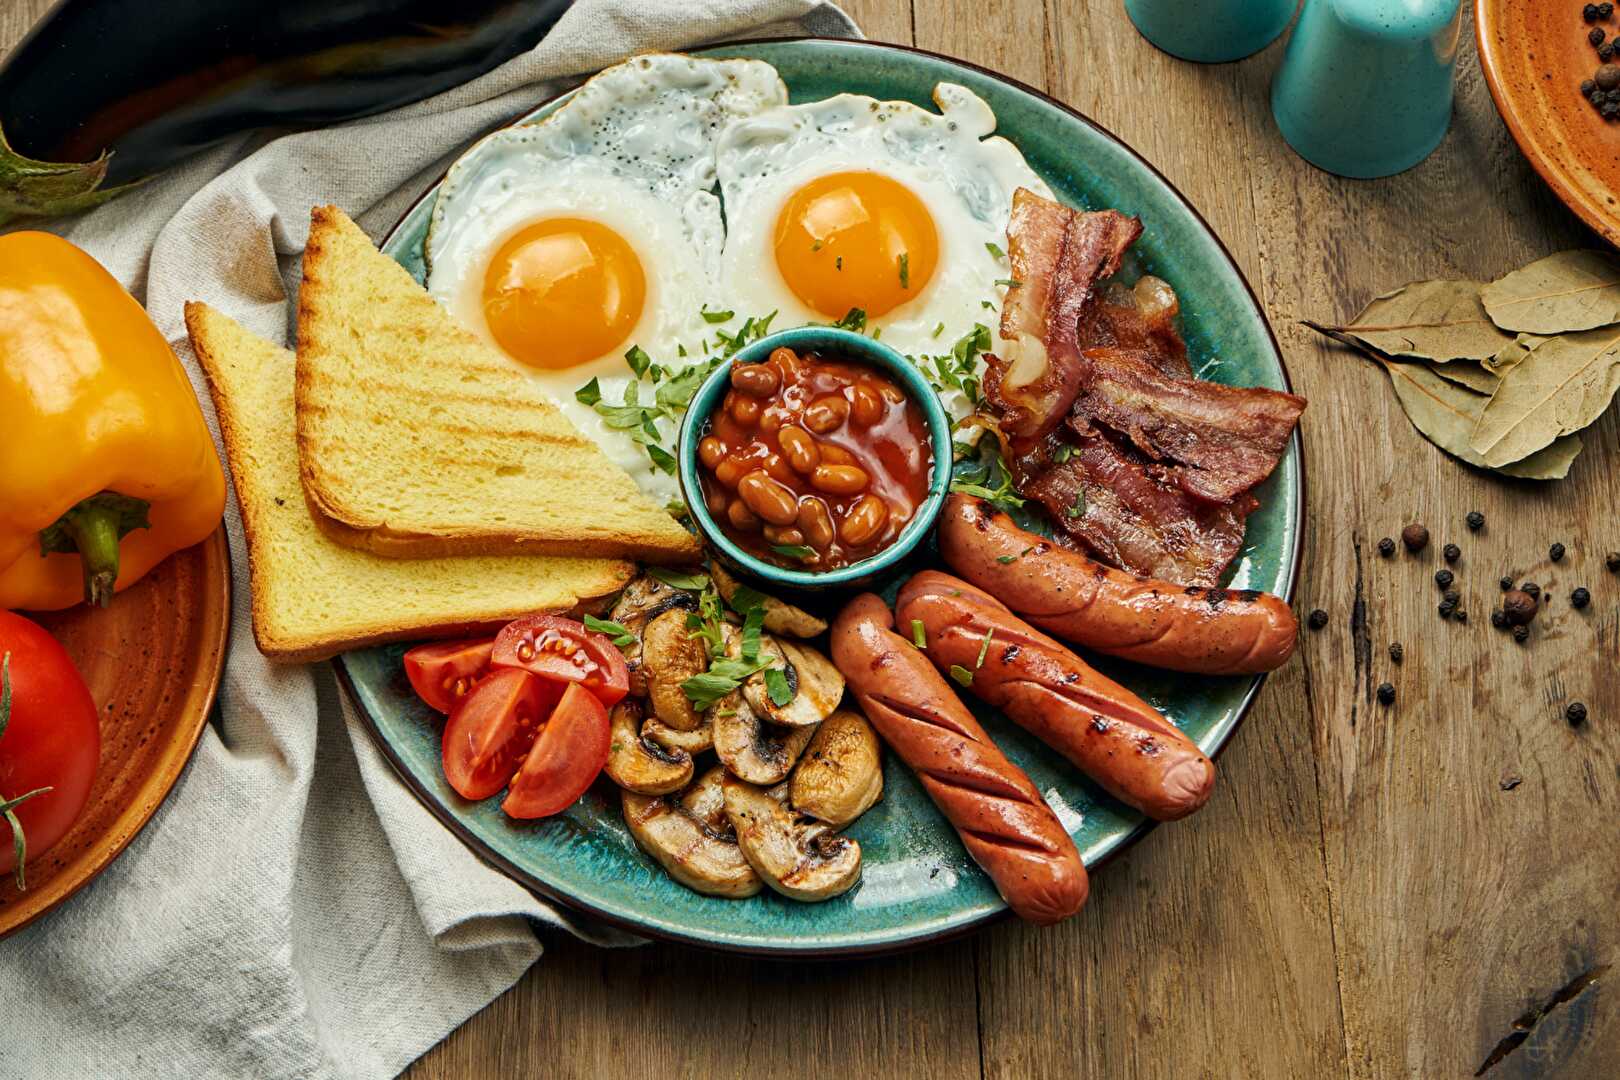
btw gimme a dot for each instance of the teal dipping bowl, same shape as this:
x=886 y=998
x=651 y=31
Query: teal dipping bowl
x=845 y=344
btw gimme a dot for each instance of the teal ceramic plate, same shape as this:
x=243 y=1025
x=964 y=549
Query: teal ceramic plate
x=918 y=885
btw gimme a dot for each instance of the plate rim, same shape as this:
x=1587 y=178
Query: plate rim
x=896 y=945
x=1552 y=172
x=128 y=826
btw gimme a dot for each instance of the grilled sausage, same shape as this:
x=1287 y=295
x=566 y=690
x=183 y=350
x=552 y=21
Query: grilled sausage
x=1206 y=631
x=1003 y=821
x=1109 y=733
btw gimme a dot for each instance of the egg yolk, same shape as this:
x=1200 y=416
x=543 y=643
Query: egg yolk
x=563 y=291
x=855 y=240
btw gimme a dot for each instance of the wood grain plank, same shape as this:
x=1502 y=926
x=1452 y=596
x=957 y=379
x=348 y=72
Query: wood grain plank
x=1207 y=949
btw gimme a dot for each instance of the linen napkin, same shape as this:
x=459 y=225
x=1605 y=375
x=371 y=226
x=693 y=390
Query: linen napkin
x=292 y=911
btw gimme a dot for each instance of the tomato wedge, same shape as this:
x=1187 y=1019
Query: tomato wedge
x=563 y=651
x=445 y=672
x=571 y=750
x=492 y=729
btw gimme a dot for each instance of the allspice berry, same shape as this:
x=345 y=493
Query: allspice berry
x=1415 y=537
x=1519 y=607
x=1607 y=77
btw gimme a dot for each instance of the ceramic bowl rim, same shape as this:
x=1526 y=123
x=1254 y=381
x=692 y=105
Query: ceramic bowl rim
x=865 y=350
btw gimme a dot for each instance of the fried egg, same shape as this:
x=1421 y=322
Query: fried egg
x=879 y=206
x=567 y=241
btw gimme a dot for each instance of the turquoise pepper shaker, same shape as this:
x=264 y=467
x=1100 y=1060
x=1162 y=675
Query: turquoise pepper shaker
x=1211 y=31
x=1365 y=87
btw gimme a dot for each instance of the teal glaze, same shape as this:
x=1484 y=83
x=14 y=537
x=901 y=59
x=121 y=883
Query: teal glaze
x=1210 y=31
x=918 y=884
x=845 y=343
x=1366 y=86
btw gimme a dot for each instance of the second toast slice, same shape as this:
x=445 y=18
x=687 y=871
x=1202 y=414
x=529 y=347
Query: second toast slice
x=416 y=439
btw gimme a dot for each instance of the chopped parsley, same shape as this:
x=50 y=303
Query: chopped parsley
x=994 y=250
x=1005 y=559
x=938 y=330
x=776 y=685
x=986 y=478
x=1011 y=283
x=590 y=393
x=1079 y=507
x=716 y=316
x=619 y=634
x=1063 y=453
x=984 y=650
x=661 y=458
x=800 y=552
x=919 y=636
x=905 y=269
x=962 y=675
x=854 y=319
x=638 y=360
x=676 y=579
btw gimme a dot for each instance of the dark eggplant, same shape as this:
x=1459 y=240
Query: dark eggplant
x=121 y=90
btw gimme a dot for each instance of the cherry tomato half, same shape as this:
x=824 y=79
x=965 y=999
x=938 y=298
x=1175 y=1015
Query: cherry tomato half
x=571 y=750
x=564 y=651
x=443 y=673
x=491 y=730
x=52 y=738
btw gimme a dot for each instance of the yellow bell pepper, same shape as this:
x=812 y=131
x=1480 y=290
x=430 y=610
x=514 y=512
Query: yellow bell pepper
x=106 y=465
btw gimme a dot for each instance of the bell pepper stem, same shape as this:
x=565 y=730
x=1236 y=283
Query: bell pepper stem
x=94 y=530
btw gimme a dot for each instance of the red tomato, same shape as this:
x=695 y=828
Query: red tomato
x=564 y=651
x=52 y=738
x=571 y=750
x=491 y=730
x=444 y=673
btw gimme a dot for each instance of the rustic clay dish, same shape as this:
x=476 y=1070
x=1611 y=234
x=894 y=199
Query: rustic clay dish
x=1535 y=56
x=152 y=660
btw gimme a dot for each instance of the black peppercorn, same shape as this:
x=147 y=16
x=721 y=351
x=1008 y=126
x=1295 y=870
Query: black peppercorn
x=1612 y=561
x=1575 y=714
x=1506 y=583
x=1446 y=609
x=1556 y=553
x=1451 y=552
x=1605 y=10
x=1521 y=634
x=1386 y=694
x=1580 y=598
x=1396 y=652
x=1587 y=86
x=1444 y=578
x=1499 y=619
x=1415 y=537
x=1590 y=13
x=1386 y=546
x=1596 y=36
x=1531 y=589
x=1316 y=619
x=1452 y=596
x=1519 y=607
x=1606 y=51
x=1476 y=521
x=1461 y=616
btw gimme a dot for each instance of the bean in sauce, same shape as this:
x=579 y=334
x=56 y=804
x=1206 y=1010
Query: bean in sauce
x=814 y=462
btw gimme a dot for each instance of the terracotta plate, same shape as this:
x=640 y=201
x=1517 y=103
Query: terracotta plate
x=1535 y=55
x=152 y=660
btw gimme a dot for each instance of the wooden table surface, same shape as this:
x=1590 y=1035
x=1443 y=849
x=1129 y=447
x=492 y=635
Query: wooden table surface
x=1426 y=890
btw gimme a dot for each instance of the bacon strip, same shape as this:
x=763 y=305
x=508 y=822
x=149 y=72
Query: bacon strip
x=1223 y=439
x=1057 y=256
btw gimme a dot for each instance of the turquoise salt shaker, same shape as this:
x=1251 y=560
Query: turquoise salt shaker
x=1365 y=87
x=1211 y=31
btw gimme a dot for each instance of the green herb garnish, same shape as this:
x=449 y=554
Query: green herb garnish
x=589 y=394
x=994 y=250
x=676 y=579
x=716 y=316
x=905 y=270
x=854 y=319
x=617 y=632
x=776 y=685
x=962 y=675
x=919 y=635
x=638 y=360
x=800 y=552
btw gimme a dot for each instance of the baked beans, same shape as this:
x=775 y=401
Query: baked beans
x=812 y=461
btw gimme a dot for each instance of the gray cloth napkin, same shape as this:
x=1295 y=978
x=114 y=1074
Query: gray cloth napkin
x=292 y=911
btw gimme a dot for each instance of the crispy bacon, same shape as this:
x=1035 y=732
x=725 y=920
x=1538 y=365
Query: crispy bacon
x=1222 y=440
x=1057 y=256
x=1126 y=513
x=1153 y=469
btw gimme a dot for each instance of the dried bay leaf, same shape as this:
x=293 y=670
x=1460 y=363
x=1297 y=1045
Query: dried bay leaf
x=1561 y=387
x=1476 y=378
x=1429 y=320
x=1446 y=414
x=1512 y=354
x=1572 y=290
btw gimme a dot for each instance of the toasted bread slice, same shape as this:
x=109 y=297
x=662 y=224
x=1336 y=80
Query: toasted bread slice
x=313 y=598
x=419 y=439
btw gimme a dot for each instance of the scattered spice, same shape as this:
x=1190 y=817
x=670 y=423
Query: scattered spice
x=1511 y=781
x=1461 y=616
x=1607 y=77
x=1386 y=546
x=1580 y=598
x=1575 y=714
x=1590 y=13
x=1451 y=552
x=1612 y=561
x=1444 y=578
x=1519 y=607
x=1415 y=537
x=1386 y=693
x=1446 y=608
x=1596 y=36
x=1396 y=652
x=1556 y=553
x=1506 y=582
x=1317 y=619
x=1499 y=619
x=1531 y=589
x=1452 y=596
x=1475 y=520
x=1521 y=634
